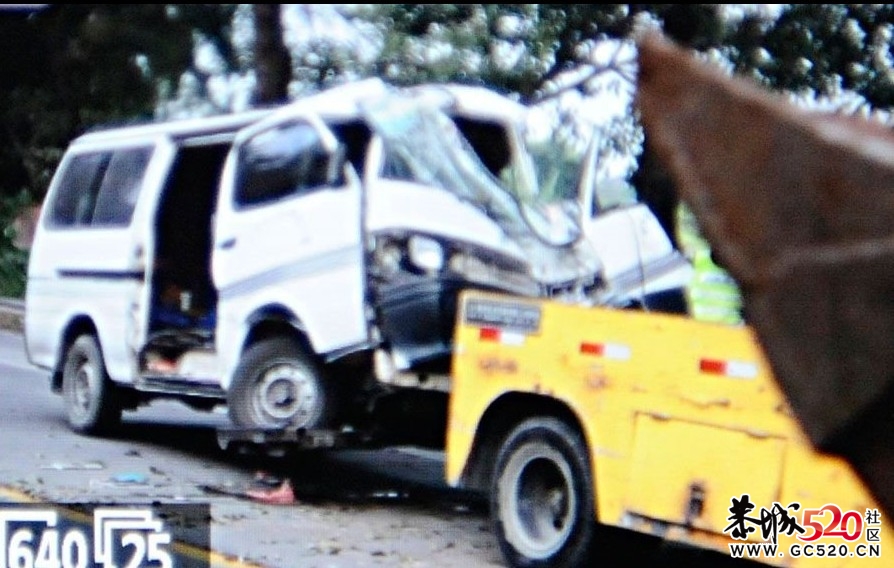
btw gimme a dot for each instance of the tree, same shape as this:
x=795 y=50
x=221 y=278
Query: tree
x=69 y=67
x=110 y=62
x=272 y=60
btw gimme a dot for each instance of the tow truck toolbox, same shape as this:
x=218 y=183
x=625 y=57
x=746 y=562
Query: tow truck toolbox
x=565 y=415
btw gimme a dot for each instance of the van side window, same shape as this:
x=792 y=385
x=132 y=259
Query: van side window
x=100 y=188
x=121 y=187
x=76 y=194
x=284 y=161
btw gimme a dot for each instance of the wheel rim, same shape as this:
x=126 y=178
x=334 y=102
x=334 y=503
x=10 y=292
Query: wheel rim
x=540 y=501
x=287 y=393
x=82 y=381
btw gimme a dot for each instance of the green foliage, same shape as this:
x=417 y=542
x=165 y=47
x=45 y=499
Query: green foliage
x=67 y=68
x=71 y=67
x=823 y=47
x=13 y=261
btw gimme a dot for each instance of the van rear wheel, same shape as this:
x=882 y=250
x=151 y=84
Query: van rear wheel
x=277 y=384
x=542 y=507
x=92 y=401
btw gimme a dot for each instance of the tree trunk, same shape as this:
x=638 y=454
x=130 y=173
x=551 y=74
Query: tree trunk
x=273 y=64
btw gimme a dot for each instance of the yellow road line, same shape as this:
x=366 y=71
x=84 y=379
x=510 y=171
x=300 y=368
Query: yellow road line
x=215 y=559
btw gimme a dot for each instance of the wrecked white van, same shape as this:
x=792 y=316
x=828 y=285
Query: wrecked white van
x=302 y=265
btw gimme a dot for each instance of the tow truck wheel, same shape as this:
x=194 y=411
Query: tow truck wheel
x=92 y=401
x=541 y=499
x=277 y=385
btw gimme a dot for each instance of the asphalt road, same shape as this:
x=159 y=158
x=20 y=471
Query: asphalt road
x=359 y=508
x=373 y=508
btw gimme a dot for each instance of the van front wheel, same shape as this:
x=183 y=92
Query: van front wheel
x=277 y=385
x=92 y=401
x=542 y=507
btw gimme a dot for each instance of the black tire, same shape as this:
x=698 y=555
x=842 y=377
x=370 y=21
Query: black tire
x=541 y=499
x=92 y=400
x=276 y=384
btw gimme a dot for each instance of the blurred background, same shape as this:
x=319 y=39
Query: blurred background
x=65 y=69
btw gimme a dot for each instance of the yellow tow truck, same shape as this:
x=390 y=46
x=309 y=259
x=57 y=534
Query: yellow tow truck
x=571 y=418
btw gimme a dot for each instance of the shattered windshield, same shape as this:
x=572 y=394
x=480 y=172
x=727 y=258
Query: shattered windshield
x=448 y=161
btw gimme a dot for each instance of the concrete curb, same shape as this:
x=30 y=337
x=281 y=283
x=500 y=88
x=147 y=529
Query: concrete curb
x=12 y=314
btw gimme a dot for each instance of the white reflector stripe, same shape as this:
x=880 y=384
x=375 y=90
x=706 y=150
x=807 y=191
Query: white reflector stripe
x=512 y=338
x=617 y=351
x=741 y=370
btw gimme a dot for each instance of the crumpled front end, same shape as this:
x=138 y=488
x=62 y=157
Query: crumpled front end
x=439 y=222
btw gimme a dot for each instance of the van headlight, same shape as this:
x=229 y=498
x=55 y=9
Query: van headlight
x=425 y=253
x=389 y=258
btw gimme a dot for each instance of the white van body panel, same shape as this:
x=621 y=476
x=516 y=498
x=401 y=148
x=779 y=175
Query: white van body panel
x=99 y=275
x=638 y=257
x=289 y=257
x=303 y=255
x=105 y=303
x=396 y=205
x=96 y=272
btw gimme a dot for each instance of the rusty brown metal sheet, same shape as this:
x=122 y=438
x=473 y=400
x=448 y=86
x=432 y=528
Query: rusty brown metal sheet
x=800 y=209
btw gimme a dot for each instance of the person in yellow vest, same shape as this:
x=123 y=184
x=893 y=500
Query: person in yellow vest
x=712 y=294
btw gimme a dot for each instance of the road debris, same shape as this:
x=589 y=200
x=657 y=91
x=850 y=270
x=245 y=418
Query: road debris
x=131 y=478
x=69 y=466
x=282 y=495
x=264 y=488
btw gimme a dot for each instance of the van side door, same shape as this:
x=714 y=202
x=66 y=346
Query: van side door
x=639 y=259
x=288 y=236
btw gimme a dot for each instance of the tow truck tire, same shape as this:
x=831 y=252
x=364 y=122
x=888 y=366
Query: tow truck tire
x=92 y=401
x=541 y=501
x=278 y=385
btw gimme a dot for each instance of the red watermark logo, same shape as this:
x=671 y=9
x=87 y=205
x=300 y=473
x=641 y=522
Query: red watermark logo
x=843 y=533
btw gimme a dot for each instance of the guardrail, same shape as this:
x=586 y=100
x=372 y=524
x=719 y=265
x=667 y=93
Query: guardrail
x=12 y=314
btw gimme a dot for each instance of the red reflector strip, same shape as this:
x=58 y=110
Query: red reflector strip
x=591 y=348
x=489 y=334
x=733 y=369
x=607 y=350
x=712 y=366
x=506 y=337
